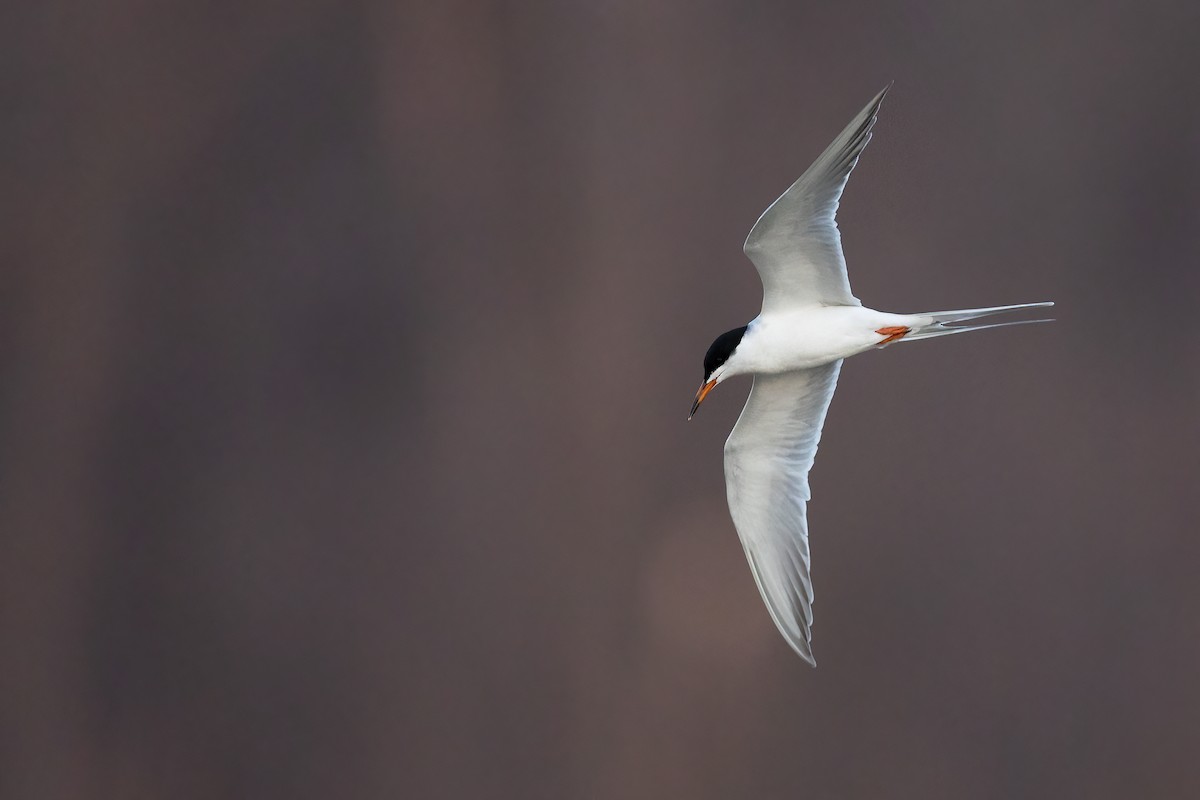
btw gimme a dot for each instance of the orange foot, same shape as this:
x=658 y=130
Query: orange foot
x=893 y=334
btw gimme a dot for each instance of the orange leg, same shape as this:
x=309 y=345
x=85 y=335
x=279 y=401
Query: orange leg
x=893 y=334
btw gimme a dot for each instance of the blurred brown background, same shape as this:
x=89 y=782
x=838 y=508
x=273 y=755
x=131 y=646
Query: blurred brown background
x=346 y=349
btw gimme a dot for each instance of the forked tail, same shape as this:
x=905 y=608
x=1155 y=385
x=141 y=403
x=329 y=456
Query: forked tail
x=943 y=322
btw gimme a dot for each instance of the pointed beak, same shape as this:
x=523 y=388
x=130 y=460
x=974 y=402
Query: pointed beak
x=701 y=394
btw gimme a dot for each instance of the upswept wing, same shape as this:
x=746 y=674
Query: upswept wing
x=767 y=460
x=795 y=245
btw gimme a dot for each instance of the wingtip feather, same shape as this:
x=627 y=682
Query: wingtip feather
x=803 y=649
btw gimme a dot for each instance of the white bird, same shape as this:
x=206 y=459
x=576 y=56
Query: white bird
x=810 y=321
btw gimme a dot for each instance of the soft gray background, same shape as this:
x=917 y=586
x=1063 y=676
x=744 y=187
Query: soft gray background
x=346 y=349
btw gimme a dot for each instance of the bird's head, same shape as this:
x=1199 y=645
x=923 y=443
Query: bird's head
x=716 y=363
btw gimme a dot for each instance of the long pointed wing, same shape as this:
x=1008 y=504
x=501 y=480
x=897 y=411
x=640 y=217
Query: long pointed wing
x=795 y=245
x=767 y=460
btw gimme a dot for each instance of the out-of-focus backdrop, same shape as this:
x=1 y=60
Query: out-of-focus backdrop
x=346 y=350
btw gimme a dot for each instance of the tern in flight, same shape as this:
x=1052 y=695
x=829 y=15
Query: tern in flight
x=810 y=321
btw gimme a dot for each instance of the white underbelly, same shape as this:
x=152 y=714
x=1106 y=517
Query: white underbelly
x=814 y=336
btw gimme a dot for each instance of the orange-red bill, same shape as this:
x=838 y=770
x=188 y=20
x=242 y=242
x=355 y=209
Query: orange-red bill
x=701 y=394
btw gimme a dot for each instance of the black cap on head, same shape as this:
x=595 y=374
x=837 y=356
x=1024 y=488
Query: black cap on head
x=721 y=350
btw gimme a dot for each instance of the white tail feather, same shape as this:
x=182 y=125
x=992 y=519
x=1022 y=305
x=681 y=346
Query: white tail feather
x=942 y=320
